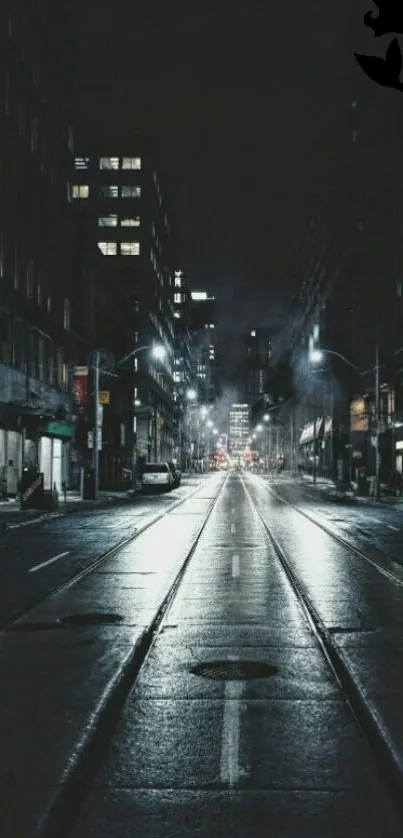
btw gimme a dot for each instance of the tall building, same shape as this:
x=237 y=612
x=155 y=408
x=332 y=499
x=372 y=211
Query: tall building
x=258 y=354
x=185 y=367
x=239 y=428
x=36 y=150
x=204 y=330
x=119 y=198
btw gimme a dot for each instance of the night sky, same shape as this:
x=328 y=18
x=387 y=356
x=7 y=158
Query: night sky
x=242 y=99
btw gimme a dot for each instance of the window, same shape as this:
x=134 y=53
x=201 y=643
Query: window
x=82 y=191
x=66 y=314
x=49 y=302
x=30 y=280
x=109 y=191
x=109 y=162
x=130 y=248
x=108 y=221
x=177 y=298
x=131 y=163
x=65 y=376
x=81 y=162
x=136 y=364
x=178 y=281
x=130 y=191
x=130 y=222
x=108 y=248
x=136 y=305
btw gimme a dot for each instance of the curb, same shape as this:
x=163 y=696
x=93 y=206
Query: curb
x=62 y=510
x=63 y=808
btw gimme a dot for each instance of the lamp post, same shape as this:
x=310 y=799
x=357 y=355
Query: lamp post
x=316 y=355
x=158 y=351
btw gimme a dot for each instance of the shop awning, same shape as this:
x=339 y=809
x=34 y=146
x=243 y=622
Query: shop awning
x=307 y=434
x=59 y=429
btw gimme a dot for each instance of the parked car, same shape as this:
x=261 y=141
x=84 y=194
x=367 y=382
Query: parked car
x=157 y=476
x=176 y=474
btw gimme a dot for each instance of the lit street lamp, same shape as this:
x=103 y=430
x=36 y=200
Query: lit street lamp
x=316 y=355
x=157 y=350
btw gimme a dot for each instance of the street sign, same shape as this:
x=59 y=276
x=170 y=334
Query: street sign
x=104 y=397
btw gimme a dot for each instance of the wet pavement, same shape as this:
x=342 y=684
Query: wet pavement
x=235 y=723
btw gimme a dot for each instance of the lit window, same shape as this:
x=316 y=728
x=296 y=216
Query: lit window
x=81 y=191
x=178 y=282
x=177 y=298
x=136 y=364
x=212 y=326
x=66 y=314
x=177 y=315
x=130 y=222
x=131 y=163
x=109 y=163
x=108 y=248
x=49 y=303
x=253 y=333
x=108 y=221
x=130 y=191
x=109 y=191
x=81 y=162
x=130 y=248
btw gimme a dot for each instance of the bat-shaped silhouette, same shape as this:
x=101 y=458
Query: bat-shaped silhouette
x=384 y=71
x=390 y=17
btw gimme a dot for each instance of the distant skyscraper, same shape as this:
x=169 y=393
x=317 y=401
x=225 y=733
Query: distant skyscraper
x=239 y=427
x=204 y=325
x=258 y=352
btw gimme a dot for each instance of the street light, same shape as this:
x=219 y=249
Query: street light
x=266 y=417
x=158 y=351
x=316 y=355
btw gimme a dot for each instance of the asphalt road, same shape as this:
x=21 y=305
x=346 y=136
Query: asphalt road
x=37 y=558
x=234 y=722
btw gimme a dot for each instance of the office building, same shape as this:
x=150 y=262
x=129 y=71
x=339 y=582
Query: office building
x=239 y=428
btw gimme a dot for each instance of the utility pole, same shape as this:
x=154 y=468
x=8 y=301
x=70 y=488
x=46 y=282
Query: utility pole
x=95 y=431
x=377 y=422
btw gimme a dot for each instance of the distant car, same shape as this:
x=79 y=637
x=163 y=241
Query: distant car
x=176 y=474
x=157 y=476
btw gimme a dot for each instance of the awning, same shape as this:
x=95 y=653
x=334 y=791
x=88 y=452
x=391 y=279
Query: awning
x=307 y=434
x=59 y=429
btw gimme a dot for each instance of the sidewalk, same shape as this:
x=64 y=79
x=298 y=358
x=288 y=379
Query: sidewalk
x=12 y=515
x=328 y=486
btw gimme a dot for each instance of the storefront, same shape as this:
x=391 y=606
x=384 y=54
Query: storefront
x=54 y=453
x=11 y=448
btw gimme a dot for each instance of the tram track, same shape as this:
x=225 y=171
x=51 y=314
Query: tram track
x=93 y=565
x=60 y=818
x=395 y=577
x=386 y=764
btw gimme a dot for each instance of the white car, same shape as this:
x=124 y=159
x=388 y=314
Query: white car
x=157 y=476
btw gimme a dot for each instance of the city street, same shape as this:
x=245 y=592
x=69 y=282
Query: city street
x=233 y=670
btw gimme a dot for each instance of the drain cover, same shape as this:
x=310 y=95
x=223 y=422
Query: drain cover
x=94 y=619
x=233 y=670
x=34 y=626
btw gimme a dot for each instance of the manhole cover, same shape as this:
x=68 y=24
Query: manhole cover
x=34 y=626
x=90 y=619
x=233 y=670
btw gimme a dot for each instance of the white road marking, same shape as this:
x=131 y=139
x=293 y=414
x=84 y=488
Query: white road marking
x=232 y=528
x=236 y=570
x=49 y=561
x=393 y=528
x=229 y=758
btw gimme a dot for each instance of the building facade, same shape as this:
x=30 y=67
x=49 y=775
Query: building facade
x=239 y=429
x=118 y=195
x=36 y=152
x=204 y=319
x=185 y=371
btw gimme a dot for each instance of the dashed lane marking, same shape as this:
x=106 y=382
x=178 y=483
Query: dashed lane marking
x=229 y=758
x=49 y=561
x=391 y=527
x=236 y=569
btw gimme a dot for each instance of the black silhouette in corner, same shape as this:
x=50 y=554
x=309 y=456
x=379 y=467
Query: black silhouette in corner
x=390 y=17
x=385 y=71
